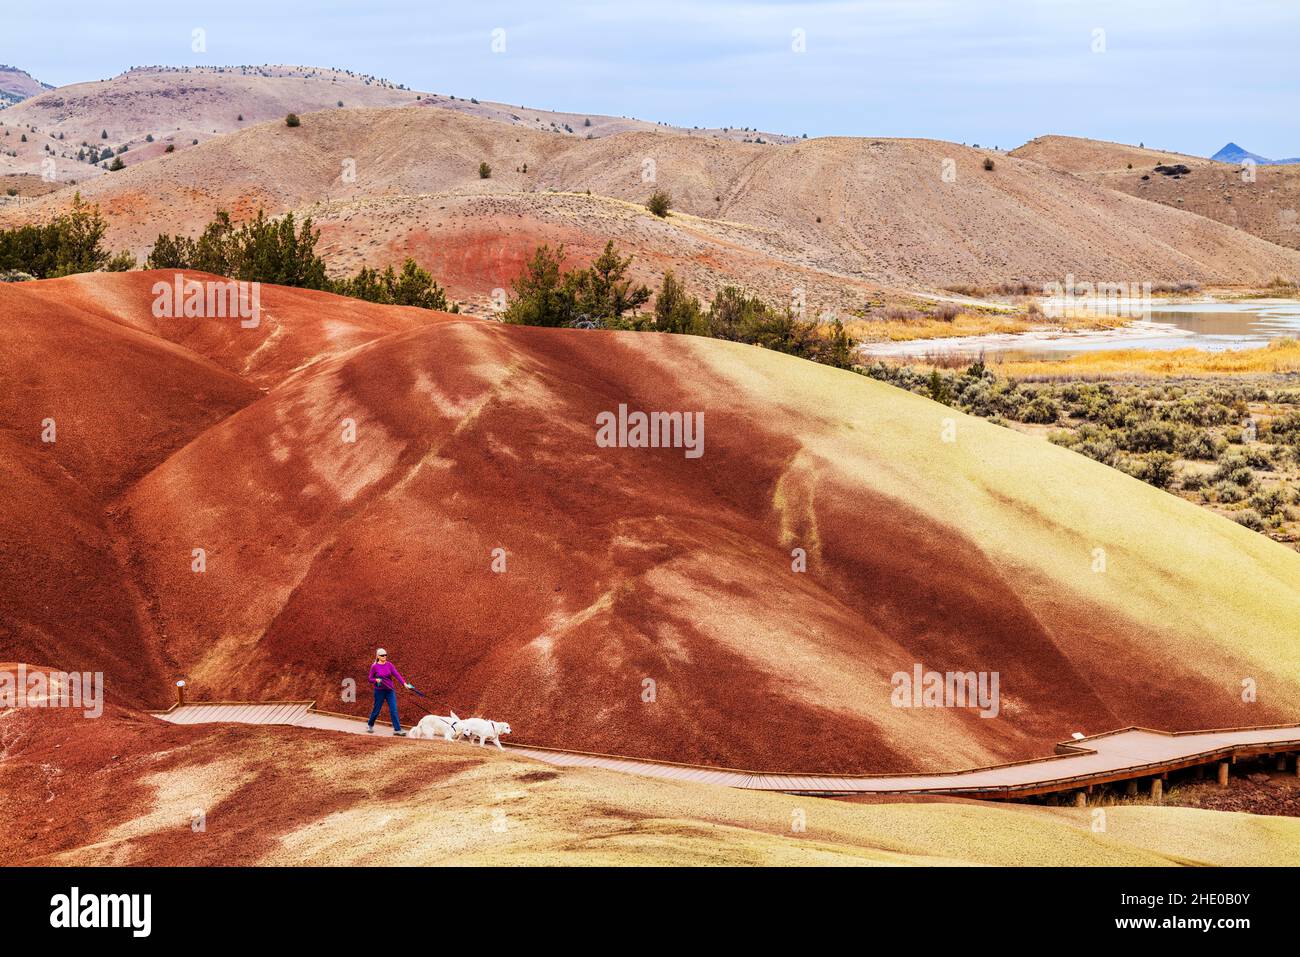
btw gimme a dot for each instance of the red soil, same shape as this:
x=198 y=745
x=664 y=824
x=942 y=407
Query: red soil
x=69 y=784
x=477 y=257
x=125 y=391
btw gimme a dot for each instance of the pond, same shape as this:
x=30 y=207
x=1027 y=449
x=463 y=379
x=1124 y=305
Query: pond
x=1213 y=326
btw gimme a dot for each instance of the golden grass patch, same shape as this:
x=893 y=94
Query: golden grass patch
x=1281 y=355
x=970 y=324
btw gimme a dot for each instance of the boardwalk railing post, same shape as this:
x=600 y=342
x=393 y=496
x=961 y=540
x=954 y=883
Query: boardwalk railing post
x=1223 y=774
x=180 y=693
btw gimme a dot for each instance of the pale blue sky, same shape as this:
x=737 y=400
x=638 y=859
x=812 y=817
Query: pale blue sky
x=1186 y=76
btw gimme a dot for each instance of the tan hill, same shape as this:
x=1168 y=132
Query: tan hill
x=19 y=187
x=589 y=125
x=386 y=183
x=122 y=790
x=176 y=106
x=627 y=570
x=1261 y=200
x=180 y=105
x=1073 y=154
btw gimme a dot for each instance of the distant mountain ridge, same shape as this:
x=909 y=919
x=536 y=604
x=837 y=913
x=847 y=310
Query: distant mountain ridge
x=1232 y=153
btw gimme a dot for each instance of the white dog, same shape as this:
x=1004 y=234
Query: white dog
x=434 y=726
x=482 y=729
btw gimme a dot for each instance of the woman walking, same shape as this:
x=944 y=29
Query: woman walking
x=381 y=679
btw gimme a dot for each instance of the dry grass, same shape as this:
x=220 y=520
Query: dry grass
x=895 y=328
x=1281 y=355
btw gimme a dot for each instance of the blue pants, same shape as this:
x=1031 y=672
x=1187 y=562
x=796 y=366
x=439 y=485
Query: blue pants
x=382 y=695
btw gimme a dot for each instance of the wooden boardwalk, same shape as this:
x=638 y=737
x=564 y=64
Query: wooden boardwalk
x=1127 y=754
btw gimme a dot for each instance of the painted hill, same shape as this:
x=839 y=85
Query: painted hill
x=838 y=217
x=173 y=379
x=648 y=604
x=1263 y=200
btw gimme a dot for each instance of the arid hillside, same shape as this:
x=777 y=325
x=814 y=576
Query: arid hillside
x=1075 y=154
x=838 y=218
x=358 y=475
x=174 y=106
x=178 y=106
x=1261 y=200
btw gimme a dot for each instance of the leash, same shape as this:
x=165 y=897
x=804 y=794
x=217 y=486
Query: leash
x=421 y=706
x=451 y=721
x=421 y=694
x=418 y=692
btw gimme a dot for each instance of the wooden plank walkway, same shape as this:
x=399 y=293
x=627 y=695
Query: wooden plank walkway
x=1113 y=756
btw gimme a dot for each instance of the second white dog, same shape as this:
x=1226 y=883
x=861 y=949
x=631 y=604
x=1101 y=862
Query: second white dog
x=483 y=729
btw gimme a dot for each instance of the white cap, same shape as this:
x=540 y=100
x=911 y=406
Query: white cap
x=380 y=651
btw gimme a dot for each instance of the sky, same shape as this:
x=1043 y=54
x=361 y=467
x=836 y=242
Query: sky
x=1183 y=76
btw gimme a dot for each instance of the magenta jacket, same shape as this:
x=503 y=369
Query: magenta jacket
x=385 y=673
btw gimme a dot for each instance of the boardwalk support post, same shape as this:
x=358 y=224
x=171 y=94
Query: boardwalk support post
x=180 y=693
x=1281 y=762
x=1297 y=765
x=1080 y=798
x=1157 y=791
x=1223 y=774
x=1131 y=788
